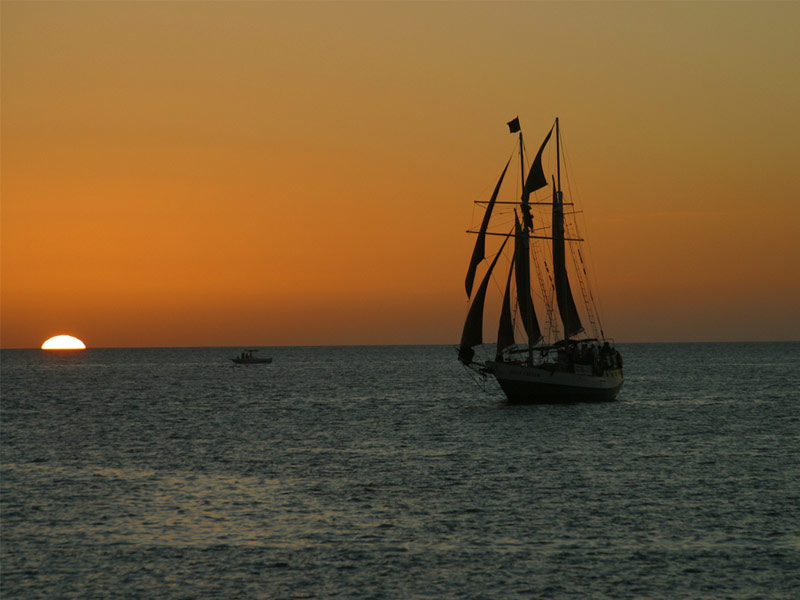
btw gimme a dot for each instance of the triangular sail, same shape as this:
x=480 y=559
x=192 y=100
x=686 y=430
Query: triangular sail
x=473 y=327
x=566 y=304
x=505 y=332
x=536 y=178
x=523 y=280
x=479 y=252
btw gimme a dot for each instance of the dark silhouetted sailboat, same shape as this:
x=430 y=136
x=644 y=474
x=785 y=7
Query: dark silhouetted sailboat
x=560 y=361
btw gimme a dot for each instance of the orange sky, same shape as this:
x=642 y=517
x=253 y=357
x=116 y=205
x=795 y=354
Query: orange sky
x=258 y=173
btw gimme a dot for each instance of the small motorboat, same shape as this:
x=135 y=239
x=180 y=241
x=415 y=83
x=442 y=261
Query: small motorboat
x=247 y=358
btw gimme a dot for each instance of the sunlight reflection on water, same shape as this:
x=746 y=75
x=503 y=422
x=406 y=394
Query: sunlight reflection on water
x=384 y=472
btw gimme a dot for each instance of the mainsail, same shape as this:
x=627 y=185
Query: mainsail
x=566 y=304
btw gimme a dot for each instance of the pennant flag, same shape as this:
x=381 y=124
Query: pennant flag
x=513 y=126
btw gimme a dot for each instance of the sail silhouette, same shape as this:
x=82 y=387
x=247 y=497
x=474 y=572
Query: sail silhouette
x=479 y=252
x=562 y=363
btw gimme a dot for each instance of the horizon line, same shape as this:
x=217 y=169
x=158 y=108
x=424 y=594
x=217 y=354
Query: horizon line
x=454 y=345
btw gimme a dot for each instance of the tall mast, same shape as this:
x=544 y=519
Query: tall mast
x=558 y=156
x=557 y=198
x=522 y=164
x=526 y=326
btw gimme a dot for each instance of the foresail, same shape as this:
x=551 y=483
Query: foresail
x=564 y=299
x=473 y=326
x=522 y=272
x=479 y=252
x=505 y=331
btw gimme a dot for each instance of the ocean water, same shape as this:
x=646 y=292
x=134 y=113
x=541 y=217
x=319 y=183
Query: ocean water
x=386 y=472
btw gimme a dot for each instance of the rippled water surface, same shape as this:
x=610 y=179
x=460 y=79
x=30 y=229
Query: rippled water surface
x=387 y=473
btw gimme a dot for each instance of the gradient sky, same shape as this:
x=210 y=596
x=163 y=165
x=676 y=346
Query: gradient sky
x=259 y=173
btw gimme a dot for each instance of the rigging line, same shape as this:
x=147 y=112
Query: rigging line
x=572 y=184
x=478 y=378
x=583 y=280
x=590 y=279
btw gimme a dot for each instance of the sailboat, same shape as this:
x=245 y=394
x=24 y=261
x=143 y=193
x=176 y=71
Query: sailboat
x=566 y=358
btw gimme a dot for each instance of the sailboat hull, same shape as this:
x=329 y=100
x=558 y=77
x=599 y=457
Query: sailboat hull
x=536 y=385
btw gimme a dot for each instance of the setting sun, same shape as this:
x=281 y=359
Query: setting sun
x=63 y=342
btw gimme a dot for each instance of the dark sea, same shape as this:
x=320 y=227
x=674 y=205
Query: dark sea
x=386 y=472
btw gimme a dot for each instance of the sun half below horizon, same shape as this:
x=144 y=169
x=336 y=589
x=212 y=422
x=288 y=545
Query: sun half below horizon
x=63 y=342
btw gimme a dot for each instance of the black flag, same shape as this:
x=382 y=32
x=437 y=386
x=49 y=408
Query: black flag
x=513 y=126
